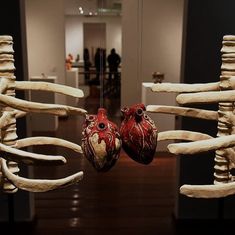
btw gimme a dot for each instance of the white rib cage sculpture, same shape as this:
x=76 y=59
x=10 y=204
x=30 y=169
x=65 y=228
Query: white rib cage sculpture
x=223 y=93
x=13 y=108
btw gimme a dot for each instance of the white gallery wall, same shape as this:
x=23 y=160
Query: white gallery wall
x=162 y=42
x=152 y=41
x=74 y=33
x=46 y=39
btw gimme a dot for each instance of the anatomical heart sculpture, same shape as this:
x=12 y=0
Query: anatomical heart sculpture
x=101 y=141
x=139 y=134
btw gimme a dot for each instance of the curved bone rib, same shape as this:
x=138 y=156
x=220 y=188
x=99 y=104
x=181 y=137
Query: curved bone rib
x=230 y=154
x=30 y=158
x=202 y=145
x=47 y=141
x=19 y=113
x=9 y=117
x=6 y=119
x=39 y=185
x=182 y=135
x=207 y=97
x=188 y=112
x=208 y=191
x=27 y=106
x=5 y=82
x=179 y=87
x=47 y=86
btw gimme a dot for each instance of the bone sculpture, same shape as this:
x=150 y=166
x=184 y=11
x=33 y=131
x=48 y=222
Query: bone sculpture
x=13 y=108
x=223 y=93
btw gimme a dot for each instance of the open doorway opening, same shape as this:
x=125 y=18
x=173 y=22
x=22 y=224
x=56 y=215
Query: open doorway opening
x=93 y=28
x=94 y=36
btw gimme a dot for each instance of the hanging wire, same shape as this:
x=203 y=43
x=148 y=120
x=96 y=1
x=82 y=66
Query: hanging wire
x=140 y=41
x=102 y=59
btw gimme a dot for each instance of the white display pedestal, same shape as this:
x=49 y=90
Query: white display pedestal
x=72 y=80
x=43 y=122
x=163 y=122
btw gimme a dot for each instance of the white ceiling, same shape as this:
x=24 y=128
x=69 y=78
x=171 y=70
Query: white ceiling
x=94 y=7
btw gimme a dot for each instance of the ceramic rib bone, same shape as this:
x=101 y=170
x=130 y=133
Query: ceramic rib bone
x=182 y=135
x=208 y=191
x=179 y=87
x=40 y=140
x=206 y=97
x=197 y=87
x=27 y=106
x=182 y=111
x=10 y=83
x=39 y=185
x=29 y=158
x=203 y=145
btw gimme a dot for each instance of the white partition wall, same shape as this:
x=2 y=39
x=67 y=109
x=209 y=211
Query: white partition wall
x=72 y=80
x=74 y=33
x=46 y=39
x=152 y=40
x=39 y=121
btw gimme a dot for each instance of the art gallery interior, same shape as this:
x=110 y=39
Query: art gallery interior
x=179 y=39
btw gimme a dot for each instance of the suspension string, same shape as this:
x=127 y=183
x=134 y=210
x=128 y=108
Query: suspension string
x=102 y=61
x=101 y=79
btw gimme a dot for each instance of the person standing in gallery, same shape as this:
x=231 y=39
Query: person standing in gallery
x=98 y=63
x=104 y=59
x=87 y=64
x=114 y=61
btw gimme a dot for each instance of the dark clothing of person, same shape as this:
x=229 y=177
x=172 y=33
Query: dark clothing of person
x=113 y=60
x=103 y=56
x=87 y=65
x=100 y=62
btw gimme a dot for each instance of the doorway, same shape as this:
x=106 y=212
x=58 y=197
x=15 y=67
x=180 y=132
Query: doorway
x=94 y=36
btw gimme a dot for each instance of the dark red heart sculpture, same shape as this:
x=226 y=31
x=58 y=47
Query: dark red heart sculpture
x=101 y=142
x=139 y=134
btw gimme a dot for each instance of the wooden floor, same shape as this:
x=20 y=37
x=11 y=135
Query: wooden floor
x=130 y=199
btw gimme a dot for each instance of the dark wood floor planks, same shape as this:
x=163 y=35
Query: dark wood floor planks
x=130 y=199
